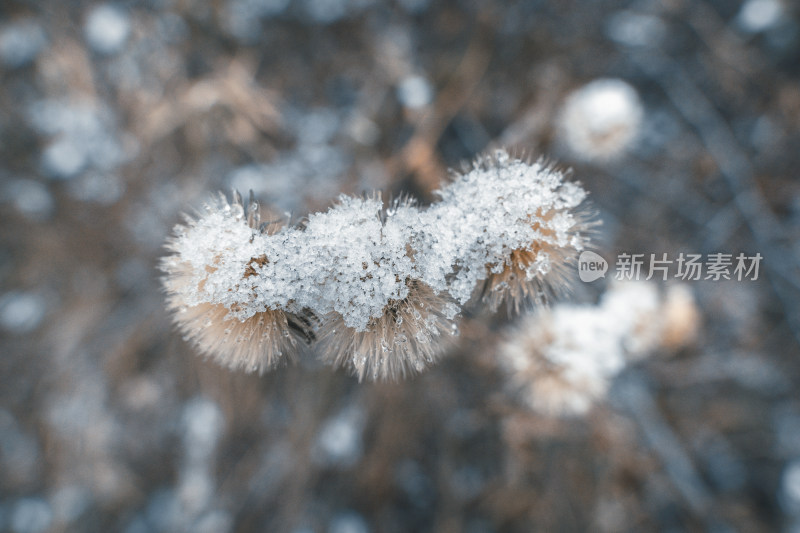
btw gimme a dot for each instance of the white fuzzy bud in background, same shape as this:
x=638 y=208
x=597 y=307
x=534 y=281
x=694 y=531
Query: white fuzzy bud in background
x=107 y=29
x=601 y=120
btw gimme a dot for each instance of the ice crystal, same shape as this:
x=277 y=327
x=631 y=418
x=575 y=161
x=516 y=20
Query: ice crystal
x=386 y=281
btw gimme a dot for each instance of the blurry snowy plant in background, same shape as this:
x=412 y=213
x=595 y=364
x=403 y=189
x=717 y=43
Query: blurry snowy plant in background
x=561 y=360
x=21 y=312
x=601 y=120
x=107 y=28
x=21 y=42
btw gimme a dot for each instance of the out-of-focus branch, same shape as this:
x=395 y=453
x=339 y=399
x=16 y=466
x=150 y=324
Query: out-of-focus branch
x=735 y=169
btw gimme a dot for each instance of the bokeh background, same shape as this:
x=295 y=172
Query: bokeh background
x=117 y=117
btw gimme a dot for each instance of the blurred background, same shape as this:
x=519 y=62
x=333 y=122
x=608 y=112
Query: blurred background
x=116 y=117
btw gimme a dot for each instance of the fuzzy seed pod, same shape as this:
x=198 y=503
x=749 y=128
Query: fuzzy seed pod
x=410 y=335
x=254 y=343
x=527 y=225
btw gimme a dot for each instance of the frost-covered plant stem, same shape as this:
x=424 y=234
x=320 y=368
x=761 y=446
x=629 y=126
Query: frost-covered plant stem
x=380 y=286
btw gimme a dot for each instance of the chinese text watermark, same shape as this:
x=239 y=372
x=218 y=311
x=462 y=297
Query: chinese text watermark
x=685 y=267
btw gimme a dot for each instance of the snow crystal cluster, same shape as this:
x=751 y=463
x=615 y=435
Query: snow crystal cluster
x=377 y=287
x=562 y=359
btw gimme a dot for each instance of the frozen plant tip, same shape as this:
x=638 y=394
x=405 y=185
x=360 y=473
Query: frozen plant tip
x=374 y=289
x=405 y=339
x=201 y=249
x=525 y=225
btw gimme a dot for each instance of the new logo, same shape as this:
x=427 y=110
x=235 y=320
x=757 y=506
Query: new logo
x=591 y=266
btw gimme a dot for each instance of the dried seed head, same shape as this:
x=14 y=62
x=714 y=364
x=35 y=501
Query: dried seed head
x=214 y=323
x=561 y=393
x=409 y=336
x=559 y=361
x=522 y=225
x=541 y=272
x=562 y=359
x=254 y=344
